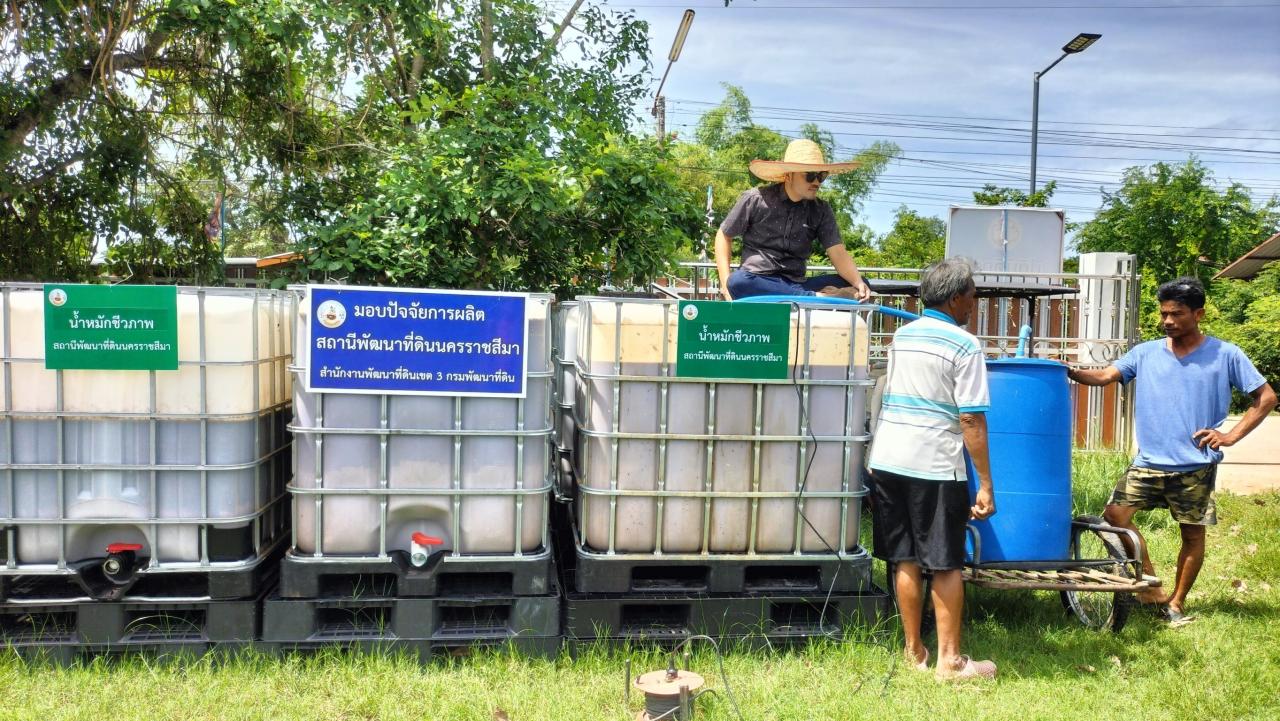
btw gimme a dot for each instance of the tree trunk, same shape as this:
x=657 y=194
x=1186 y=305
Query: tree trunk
x=486 y=39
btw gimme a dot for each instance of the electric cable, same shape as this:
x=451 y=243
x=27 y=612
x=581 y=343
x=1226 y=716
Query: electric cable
x=724 y=677
x=975 y=117
x=804 y=481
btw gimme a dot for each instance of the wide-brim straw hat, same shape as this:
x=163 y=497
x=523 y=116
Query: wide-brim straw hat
x=802 y=156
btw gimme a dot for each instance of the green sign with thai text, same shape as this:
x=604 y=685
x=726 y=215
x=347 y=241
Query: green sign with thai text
x=716 y=339
x=111 y=327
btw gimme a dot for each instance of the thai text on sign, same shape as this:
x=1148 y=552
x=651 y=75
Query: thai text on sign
x=416 y=342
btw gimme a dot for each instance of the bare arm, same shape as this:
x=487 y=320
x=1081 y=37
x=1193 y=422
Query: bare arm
x=1264 y=401
x=724 y=251
x=848 y=270
x=974 y=428
x=1095 y=376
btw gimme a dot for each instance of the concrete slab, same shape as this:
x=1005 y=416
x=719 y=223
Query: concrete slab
x=1253 y=464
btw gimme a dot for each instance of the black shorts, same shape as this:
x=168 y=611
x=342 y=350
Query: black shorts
x=919 y=520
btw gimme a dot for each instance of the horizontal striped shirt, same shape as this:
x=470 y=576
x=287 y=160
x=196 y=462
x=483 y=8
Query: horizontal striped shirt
x=936 y=372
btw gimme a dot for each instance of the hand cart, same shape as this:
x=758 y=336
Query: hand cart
x=1096 y=584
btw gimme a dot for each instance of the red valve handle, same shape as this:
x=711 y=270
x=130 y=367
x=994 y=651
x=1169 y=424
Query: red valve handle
x=122 y=547
x=423 y=539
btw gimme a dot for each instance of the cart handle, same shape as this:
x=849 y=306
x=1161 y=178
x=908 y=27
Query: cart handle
x=1135 y=560
x=976 y=537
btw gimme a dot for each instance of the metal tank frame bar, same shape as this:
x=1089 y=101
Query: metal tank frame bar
x=561 y=363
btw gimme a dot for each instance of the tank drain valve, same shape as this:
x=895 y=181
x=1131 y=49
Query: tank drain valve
x=122 y=558
x=420 y=548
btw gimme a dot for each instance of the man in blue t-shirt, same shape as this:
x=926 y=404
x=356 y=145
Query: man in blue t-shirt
x=1182 y=393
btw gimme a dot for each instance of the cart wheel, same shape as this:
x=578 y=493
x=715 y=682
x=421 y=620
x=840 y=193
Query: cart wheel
x=1098 y=609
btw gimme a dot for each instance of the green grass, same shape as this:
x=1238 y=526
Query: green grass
x=1225 y=665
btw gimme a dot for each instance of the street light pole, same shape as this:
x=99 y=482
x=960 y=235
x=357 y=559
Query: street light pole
x=659 y=110
x=1077 y=44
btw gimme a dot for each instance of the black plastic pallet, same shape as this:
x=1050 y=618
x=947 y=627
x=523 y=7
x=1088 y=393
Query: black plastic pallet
x=67 y=654
x=218 y=584
x=129 y=623
x=374 y=619
x=602 y=573
x=301 y=577
x=426 y=649
x=674 y=616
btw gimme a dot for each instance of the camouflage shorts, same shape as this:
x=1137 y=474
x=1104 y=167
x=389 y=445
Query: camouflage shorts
x=1187 y=494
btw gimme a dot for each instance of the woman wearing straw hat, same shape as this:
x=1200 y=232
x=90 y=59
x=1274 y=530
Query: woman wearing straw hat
x=778 y=225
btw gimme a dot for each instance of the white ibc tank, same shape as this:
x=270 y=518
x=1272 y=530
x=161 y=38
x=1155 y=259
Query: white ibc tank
x=202 y=443
x=430 y=445
x=727 y=438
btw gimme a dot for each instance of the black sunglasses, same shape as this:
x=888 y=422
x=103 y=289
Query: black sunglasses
x=816 y=177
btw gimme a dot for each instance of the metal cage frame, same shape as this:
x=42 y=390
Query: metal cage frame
x=268 y=521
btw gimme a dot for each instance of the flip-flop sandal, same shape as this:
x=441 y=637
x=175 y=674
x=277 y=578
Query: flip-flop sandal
x=920 y=665
x=1159 y=610
x=1177 y=619
x=970 y=671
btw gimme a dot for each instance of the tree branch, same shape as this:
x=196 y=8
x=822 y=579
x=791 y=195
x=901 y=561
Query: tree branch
x=568 y=18
x=75 y=84
x=49 y=174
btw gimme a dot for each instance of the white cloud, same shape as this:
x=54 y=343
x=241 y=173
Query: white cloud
x=1194 y=67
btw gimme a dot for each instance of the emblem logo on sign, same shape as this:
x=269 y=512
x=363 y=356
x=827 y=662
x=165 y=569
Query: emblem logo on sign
x=58 y=297
x=690 y=312
x=331 y=314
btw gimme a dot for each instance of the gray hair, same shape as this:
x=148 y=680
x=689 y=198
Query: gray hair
x=944 y=280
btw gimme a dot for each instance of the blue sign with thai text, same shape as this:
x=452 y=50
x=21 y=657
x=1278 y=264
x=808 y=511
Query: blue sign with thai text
x=416 y=342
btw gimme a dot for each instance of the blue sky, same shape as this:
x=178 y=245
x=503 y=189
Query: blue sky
x=951 y=83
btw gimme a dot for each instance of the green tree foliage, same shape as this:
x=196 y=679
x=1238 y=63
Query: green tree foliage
x=459 y=143
x=510 y=168
x=992 y=195
x=914 y=241
x=1247 y=313
x=1177 y=223
x=108 y=111
x=725 y=142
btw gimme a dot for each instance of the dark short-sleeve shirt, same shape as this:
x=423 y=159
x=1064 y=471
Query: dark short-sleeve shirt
x=778 y=233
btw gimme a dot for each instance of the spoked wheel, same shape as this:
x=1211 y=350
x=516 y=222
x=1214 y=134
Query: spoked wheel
x=1099 y=609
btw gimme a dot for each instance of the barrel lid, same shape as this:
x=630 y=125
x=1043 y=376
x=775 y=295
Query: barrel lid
x=1026 y=362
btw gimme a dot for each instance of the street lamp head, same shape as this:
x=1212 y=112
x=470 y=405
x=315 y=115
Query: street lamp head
x=1080 y=42
x=678 y=44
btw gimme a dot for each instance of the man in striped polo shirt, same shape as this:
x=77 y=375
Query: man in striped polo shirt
x=935 y=399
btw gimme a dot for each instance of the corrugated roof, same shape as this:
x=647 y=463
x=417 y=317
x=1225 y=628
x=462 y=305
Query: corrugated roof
x=1249 y=264
x=279 y=259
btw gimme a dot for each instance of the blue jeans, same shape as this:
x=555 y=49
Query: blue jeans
x=744 y=284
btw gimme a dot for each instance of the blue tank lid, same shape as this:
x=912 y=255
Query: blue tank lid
x=1026 y=362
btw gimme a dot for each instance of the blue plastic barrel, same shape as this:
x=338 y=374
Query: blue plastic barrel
x=1029 y=436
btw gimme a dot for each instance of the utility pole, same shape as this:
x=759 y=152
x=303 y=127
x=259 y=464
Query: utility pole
x=1077 y=44
x=660 y=112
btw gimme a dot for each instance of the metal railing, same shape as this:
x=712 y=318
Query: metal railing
x=1091 y=328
